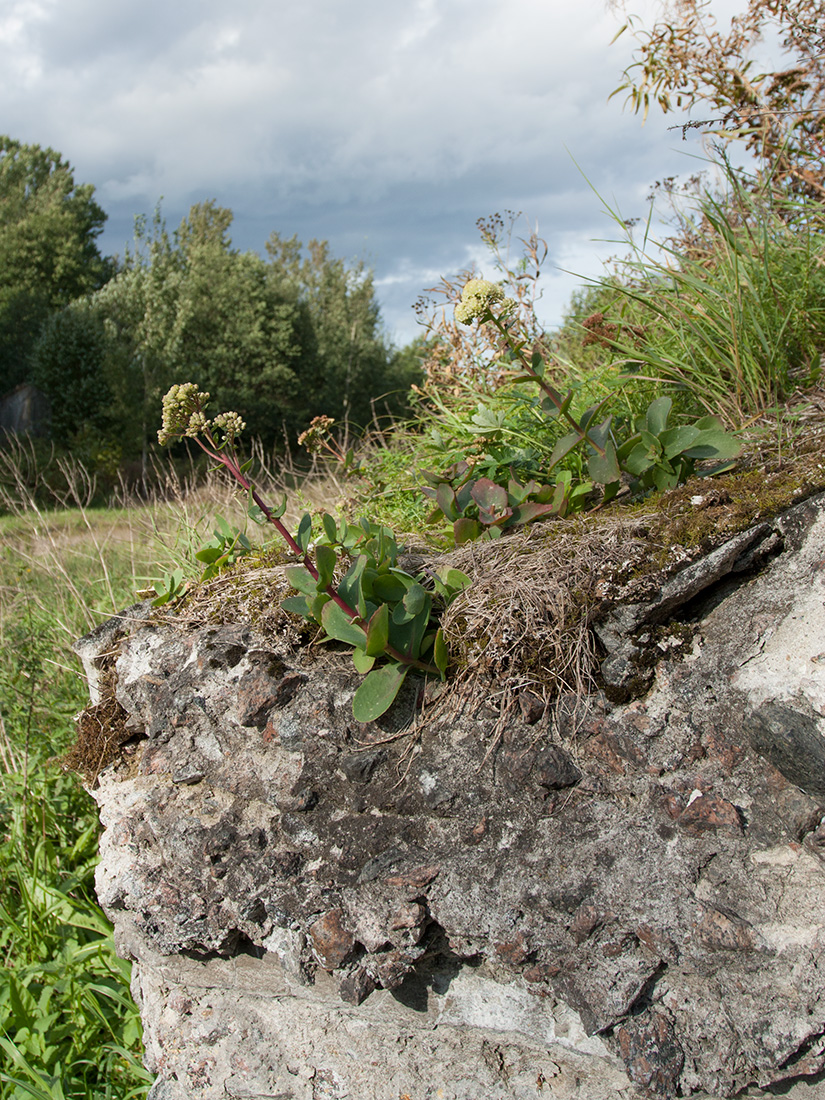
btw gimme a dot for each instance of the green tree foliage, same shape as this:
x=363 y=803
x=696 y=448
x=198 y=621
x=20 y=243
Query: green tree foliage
x=278 y=341
x=350 y=369
x=190 y=304
x=67 y=365
x=48 y=252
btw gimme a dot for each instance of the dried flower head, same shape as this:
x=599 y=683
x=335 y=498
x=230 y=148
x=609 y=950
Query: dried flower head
x=183 y=412
x=316 y=434
x=477 y=299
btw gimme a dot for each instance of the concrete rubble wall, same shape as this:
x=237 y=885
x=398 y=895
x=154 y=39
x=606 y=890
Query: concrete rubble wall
x=620 y=900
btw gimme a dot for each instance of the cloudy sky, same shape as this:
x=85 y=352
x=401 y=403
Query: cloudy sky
x=387 y=128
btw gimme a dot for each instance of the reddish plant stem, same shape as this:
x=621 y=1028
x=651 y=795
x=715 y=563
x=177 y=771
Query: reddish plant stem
x=554 y=396
x=234 y=469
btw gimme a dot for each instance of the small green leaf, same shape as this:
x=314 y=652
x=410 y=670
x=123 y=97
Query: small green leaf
x=298 y=605
x=708 y=422
x=340 y=626
x=441 y=655
x=301 y=578
x=676 y=440
x=256 y=514
x=604 y=468
x=350 y=586
x=208 y=553
x=526 y=513
x=378 y=631
x=362 y=662
x=317 y=604
x=489 y=496
x=713 y=443
x=466 y=530
x=564 y=446
x=279 y=509
x=657 y=415
x=378 y=692
x=330 y=527
x=388 y=588
x=446 y=499
x=415 y=598
x=325 y=562
x=304 y=533
x=455 y=580
x=638 y=460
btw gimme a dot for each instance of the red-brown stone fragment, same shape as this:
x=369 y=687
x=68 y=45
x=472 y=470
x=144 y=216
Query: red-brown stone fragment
x=417 y=878
x=331 y=942
x=653 y=1057
x=356 y=986
x=516 y=952
x=726 y=931
x=707 y=813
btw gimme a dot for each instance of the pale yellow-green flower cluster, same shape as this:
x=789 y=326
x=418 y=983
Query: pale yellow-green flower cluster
x=230 y=424
x=183 y=415
x=479 y=297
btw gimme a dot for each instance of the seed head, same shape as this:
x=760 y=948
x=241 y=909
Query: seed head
x=477 y=300
x=316 y=434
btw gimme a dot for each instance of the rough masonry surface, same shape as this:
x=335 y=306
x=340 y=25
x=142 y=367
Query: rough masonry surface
x=609 y=900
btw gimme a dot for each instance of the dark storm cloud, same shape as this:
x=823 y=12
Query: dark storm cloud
x=386 y=128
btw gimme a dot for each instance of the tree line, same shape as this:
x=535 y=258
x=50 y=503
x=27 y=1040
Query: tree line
x=280 y=339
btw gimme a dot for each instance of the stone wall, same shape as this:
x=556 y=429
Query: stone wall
x=606 y=900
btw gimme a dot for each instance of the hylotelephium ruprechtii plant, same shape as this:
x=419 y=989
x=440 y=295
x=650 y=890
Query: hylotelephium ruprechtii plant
x=654 y=456
x=378 y=608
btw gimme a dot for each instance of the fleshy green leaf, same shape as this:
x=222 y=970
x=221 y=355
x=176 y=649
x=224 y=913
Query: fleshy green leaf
x=445 y=496
x=378 y=691
x=526 y=513
x=350 y=586
x=676 y=440
x=489 y=496
x=388 y=588
x=209 y=553
x=362 y=662
x=317 y=604
x=338 y=625
x=325 y=562
x=415 y=598
x=441 y=655
x=454 y=580
x=466 y=530
x=378 y=631
x=604 y=468
x=301 y=578
x=298 y=605
x=304 y=533
x=713 y=443
x=657 y=415
x=330 y=527
x=564 y=446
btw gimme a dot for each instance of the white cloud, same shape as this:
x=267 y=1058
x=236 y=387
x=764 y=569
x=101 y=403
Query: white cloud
x=387 y=128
